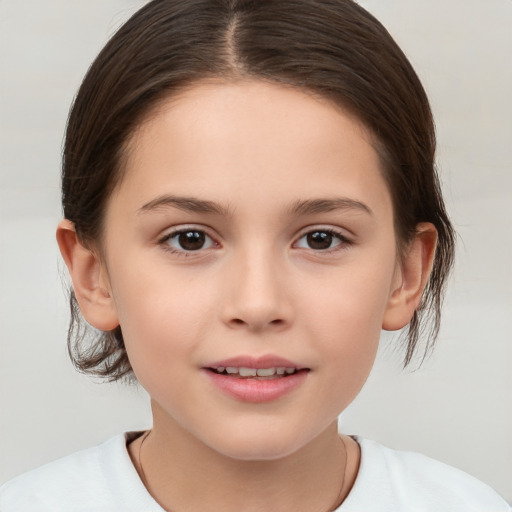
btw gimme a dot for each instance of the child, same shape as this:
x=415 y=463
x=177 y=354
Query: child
x=249 y=197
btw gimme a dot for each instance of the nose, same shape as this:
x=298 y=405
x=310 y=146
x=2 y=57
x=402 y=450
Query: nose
x=257 y=298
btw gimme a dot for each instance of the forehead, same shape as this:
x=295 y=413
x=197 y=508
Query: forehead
x=223 y=138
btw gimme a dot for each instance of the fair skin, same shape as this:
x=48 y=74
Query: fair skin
x=291 y=255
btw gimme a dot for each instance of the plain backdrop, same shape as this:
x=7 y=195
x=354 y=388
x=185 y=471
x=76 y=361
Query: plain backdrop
x=457 y=408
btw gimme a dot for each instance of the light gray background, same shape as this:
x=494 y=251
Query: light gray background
x=457 y=408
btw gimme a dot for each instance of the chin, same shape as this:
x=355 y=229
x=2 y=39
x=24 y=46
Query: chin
x=261 y=445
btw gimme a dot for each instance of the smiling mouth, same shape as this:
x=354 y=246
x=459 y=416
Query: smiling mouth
x=279 y=372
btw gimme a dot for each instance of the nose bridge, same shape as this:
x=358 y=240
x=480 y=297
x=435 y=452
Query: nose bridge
x=257 y=297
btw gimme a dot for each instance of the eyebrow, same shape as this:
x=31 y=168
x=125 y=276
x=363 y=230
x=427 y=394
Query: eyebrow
x=312 y=206
x=299 y=207
x=187 y=204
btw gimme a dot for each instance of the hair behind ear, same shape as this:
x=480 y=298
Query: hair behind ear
x=413 y=275
x=99 y=352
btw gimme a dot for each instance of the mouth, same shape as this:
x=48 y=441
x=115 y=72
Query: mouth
x=242 y=372
x=256 y=379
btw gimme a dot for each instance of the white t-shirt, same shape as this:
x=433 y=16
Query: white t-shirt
x=103 y=479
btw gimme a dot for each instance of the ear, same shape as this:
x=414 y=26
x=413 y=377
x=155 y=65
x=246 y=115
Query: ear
x=411 y=277
x=90 y=280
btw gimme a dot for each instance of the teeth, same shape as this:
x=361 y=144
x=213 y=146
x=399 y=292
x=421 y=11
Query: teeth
x=255 y=372
x=266 y=372
x=247 y=372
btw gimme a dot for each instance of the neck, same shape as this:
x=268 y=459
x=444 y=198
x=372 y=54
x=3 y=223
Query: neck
x=183 y=473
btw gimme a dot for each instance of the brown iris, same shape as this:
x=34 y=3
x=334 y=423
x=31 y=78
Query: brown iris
x=319 y=240
x=191 y=240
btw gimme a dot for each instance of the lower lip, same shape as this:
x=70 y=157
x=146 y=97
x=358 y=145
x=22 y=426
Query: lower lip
x=254 y=390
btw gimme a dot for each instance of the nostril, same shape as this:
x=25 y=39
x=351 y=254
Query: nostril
x=256 y=324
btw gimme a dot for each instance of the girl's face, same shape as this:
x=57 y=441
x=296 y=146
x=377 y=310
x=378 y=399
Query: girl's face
x=253 y=230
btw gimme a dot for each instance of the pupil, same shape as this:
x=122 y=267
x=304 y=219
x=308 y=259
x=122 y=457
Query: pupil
x=192 y=240
x=319 y=240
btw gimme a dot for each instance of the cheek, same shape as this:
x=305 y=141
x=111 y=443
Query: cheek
x=162 y=317
x=351 y=301
x=345 y=316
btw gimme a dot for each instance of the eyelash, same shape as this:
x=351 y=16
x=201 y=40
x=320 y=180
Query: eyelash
x=343 y=241
x=165 y=241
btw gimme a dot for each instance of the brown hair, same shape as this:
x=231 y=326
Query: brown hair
x=333 y=48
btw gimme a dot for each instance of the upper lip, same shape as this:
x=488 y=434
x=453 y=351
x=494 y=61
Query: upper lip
x=261 y=362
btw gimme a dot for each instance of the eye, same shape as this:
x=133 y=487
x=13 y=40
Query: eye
x=188 y=240
x=321 y=240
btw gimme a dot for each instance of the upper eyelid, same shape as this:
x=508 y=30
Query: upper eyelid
x=341 y=232
x=183 y=228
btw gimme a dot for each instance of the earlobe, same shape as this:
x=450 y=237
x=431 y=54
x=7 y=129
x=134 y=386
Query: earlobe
x=90 y=282
x=411 y=278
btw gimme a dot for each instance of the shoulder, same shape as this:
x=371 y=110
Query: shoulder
x=100 y=478
x=407 y=481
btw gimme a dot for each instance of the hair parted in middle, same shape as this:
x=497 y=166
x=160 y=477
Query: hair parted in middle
x=331 y=48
